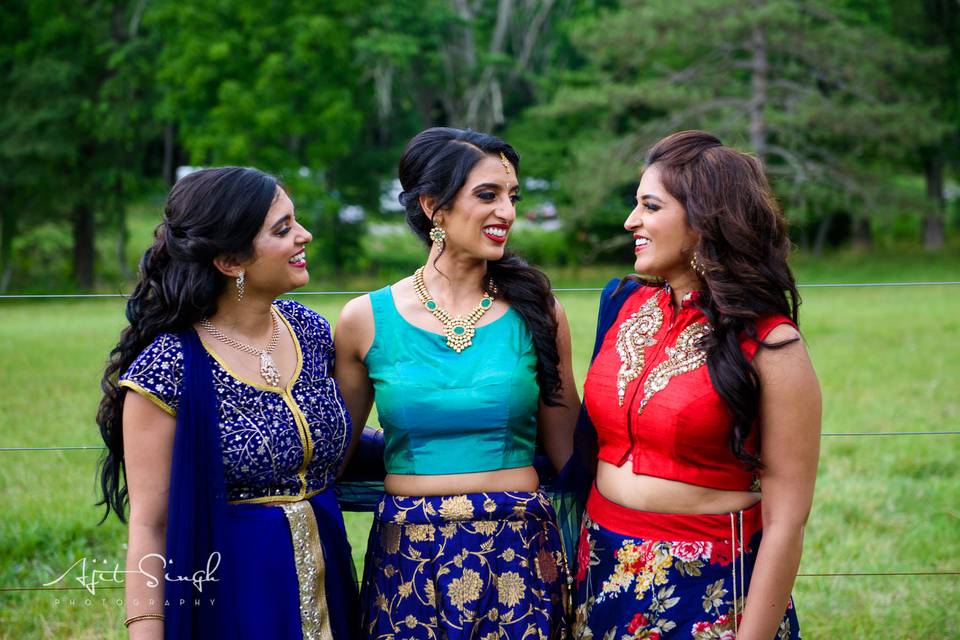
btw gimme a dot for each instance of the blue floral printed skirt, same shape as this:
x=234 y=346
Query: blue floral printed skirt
x=656 y=576
x=478 y=566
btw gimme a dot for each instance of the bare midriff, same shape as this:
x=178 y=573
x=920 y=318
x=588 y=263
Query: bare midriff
x=659 y=495
x=518 y=479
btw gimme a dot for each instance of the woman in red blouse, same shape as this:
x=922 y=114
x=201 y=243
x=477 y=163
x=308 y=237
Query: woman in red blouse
x=704 y=401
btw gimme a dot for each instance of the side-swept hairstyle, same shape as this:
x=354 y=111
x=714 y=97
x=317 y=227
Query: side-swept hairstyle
x=437 y=163
x=743 y=250
x=209 y=213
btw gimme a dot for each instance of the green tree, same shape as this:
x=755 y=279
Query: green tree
x=935 y=23
x=271 y=84
x=74 y=122
x=813 y=88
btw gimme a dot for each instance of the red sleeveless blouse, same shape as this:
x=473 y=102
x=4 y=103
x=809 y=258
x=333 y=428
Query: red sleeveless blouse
x=648 y=392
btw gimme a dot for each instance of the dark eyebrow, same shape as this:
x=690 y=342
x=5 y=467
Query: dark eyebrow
x=494 y=185
x=649 y=196
x=280 y=222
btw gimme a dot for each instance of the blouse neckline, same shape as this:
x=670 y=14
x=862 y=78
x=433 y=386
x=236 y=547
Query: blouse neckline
x=442 y=336
x=259 y=385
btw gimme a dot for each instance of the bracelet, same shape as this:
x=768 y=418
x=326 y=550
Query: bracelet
x=144 y=616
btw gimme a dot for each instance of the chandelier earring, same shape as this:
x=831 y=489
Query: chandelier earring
x=697 y=266
x=437 y=235
x=241 y=278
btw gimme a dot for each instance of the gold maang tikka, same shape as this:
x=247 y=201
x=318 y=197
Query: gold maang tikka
x=506 y=163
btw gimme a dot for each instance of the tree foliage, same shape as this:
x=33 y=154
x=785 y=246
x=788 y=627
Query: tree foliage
x=101 y=100
x=816 y=89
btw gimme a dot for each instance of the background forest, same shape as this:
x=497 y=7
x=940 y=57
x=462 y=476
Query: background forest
x=853 y=104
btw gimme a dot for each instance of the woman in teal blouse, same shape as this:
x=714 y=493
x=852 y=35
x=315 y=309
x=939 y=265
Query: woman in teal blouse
x=467 y=359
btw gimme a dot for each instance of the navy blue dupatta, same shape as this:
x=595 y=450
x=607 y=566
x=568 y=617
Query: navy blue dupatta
x=196 y=512
x=572 y=486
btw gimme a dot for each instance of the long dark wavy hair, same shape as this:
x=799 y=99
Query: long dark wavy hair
x=743 y=250
x=209 y=213
x=436 y=163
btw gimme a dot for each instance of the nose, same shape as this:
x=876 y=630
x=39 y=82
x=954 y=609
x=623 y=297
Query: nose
x=507 y=211
x=632 y=223
x=305 y=236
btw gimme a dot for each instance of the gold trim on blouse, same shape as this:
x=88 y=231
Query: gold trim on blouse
x=300 y=420
x=149 y=395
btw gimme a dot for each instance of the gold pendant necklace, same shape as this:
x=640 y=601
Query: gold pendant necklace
x=459 y=330
x=268 y=368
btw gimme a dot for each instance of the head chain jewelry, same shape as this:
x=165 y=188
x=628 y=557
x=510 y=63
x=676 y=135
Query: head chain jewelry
x=506 y=163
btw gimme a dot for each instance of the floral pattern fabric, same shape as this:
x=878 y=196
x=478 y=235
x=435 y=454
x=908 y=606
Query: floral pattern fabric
x=278 y=443
x=643 y=589
x=483 y=566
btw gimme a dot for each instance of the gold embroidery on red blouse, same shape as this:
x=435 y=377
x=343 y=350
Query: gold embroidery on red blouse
x=636 y=334
x=685 y=356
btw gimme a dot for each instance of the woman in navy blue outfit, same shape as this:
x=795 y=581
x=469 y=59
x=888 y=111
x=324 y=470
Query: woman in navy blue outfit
x=229 y=444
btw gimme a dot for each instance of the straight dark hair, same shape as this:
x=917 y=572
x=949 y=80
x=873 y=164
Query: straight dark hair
x=437 y=163
x=209 y=213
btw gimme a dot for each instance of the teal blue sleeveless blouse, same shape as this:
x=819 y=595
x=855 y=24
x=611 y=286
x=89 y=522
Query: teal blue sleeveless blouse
x=447 y=412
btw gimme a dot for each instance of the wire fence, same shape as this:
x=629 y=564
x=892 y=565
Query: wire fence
x=849 y=574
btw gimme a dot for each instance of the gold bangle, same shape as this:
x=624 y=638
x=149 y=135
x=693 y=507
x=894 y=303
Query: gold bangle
x=144 y=616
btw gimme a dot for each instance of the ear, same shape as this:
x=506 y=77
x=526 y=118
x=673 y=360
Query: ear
x=429 y=205
x=228 y=266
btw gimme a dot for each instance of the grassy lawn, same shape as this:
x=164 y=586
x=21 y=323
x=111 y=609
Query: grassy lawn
x=888 y=359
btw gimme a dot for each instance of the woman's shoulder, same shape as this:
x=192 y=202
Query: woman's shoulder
x=302 y=317
x=157 y=372
x=619 y=290
x=165 y=352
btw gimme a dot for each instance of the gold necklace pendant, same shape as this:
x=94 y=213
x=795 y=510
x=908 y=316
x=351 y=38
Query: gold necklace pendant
x=460 y=330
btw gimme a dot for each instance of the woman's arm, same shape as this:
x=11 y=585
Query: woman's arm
x=790 y=447
x=352 y=339
x=557 y=423
x=148 y=450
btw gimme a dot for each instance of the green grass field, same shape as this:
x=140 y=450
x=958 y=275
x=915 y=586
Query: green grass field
x=888 y=359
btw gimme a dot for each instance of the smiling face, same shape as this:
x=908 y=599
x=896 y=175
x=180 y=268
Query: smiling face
x=279 y=263
x=478 y=220
x=663 y=241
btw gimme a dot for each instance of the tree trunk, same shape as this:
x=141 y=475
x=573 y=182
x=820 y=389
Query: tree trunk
x=823 y=230
x=934 y=231
x=862 y=234
x=83 y=245
x=759 y=68
x=7 y=231
x=169 y=154
x=122 y=234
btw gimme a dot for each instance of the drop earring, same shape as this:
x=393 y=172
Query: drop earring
x=437 y=235
x=696 y=265
x=241 y=277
